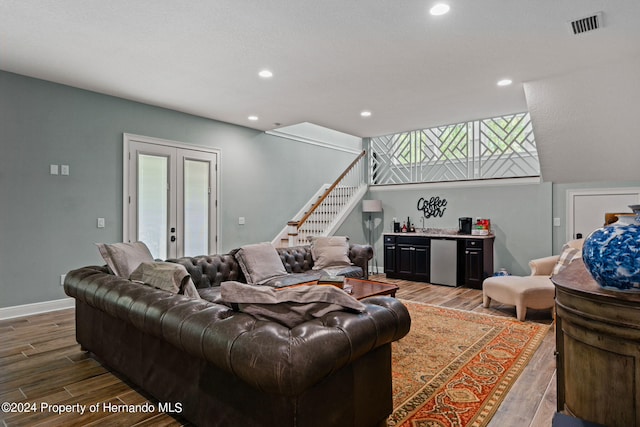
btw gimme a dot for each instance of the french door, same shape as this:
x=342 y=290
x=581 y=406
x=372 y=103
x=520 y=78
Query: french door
x=171 y=197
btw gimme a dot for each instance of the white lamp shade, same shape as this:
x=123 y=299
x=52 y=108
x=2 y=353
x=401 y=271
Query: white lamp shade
x=372 y=206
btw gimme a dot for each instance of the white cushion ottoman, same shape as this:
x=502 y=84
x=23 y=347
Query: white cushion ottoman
x=537 y=292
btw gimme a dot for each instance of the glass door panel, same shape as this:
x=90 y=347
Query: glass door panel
x=153 y=214
x=196 y=207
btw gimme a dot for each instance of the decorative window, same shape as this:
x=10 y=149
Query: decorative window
x=499 y=147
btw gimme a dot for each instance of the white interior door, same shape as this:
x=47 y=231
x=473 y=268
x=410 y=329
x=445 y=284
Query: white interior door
x=588 y=207
x=171 y=202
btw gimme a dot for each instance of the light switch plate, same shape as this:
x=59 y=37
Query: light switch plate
x=556 y=222
x=100 y=222
x=241 y=220
x=53 y=169
x=64 y=169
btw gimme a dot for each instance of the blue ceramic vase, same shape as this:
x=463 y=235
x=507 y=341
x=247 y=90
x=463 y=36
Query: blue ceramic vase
x=612 y=254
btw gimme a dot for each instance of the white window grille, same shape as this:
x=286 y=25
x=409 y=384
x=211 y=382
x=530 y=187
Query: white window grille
x=498 y=147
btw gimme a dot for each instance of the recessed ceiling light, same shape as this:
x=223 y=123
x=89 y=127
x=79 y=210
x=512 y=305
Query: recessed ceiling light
x=253 y=118
x=365 y=113
x=504 y=82
x=265 y=74
x=439 y=9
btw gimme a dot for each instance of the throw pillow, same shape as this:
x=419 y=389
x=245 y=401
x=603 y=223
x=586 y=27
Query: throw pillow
x=568 y=254
x=260 y=262
x=330 y=252
x=123 y=258
x=167 y=276
x=288 y=306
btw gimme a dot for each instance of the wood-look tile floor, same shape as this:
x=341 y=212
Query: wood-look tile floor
x=49 y=379
x=41 y=364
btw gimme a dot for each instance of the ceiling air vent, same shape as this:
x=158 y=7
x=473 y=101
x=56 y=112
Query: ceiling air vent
x=588 y=23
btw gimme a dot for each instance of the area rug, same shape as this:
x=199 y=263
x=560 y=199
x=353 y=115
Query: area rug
x=455 y=367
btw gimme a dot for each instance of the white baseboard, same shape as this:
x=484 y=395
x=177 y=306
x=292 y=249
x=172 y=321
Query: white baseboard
x=36 y=308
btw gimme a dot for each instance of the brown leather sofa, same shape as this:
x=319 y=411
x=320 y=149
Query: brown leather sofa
x=226 y=368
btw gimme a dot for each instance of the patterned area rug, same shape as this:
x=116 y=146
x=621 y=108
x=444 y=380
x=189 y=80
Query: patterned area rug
x=455 y=367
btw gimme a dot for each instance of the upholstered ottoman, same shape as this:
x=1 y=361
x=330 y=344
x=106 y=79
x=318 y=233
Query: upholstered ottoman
x=535 y=292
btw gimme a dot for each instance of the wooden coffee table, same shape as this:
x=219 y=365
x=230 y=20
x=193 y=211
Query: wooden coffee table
x=361 y=288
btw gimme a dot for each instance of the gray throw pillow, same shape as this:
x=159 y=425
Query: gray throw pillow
x=123 y=258
x=288 y=306
x=167 y=276
x=329 y=252
x=260 y=262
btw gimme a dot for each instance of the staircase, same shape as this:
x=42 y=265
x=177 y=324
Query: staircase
x=328 y=208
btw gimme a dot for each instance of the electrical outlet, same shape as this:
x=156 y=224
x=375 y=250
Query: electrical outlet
x=62 y=276
x=100 y=222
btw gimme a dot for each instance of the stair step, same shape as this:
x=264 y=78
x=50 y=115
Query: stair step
x=333 y=205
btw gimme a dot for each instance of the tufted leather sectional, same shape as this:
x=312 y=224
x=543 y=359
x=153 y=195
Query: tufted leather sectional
x=211 y=270
x=226 y=368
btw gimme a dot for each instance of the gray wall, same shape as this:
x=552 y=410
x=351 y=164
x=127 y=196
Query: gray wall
x=521 y=217
x=48 y=223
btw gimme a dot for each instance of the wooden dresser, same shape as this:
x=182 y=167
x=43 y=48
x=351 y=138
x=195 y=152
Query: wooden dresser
x=598 y=346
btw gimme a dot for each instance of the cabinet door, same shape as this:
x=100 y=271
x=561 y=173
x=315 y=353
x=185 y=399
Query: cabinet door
x=390 y=259
x=413 y=262
x=421 y=262
x=473 y=266
x=405 y=259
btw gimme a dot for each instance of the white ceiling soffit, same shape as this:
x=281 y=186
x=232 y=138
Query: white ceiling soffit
x=586 y=123
x=330 y=59
x=318 y=135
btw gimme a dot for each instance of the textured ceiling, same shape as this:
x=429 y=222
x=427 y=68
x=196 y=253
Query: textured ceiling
x=331 y=59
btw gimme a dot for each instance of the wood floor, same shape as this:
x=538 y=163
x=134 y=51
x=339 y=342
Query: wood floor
x=41 y=364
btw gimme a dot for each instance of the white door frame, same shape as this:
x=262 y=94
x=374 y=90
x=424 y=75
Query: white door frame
x=127 y=138
x=571 y=194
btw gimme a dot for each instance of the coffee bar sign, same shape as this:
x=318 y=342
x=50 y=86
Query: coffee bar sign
x=433 y=207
